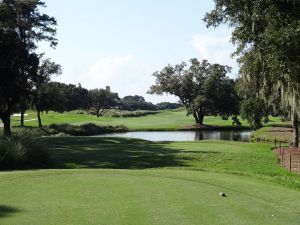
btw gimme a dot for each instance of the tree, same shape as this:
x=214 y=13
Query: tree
x=43 y=94
x=202 y=88
x=252 y=111
x=21 y=27
x=51 y=96
x=167 y=105
x=78 y=97
x=136 y=103
x=269 y=30
x=103 y=99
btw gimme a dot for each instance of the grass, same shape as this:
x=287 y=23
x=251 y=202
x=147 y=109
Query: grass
x=163 y=120
x=129 y=181
x=142 y=197
x=251 y=159
x=266 y=134
x=275 y=129
x=88 y=129
x=121 y=181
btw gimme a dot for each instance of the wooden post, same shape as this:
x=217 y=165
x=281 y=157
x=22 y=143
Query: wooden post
x=290 y=162
x=279 y=144
x=279 y=156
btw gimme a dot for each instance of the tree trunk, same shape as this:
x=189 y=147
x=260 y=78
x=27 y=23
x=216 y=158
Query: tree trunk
x=22 y=118
x=198 y=117
x=201 y=118
x=296 y=130
x=5 y=117
x=39 y=119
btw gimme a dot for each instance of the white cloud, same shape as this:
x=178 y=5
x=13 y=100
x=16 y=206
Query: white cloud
x=124 y=74
x=216 y=48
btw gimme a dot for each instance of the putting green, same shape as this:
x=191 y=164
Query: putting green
x=50 y=197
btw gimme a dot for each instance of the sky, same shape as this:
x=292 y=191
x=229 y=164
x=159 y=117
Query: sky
x=121 y=43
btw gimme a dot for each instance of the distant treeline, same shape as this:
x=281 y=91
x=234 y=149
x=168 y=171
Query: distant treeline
x=61 y=97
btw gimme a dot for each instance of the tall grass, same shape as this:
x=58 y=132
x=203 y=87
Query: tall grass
x=23 y=151
x=88 y=129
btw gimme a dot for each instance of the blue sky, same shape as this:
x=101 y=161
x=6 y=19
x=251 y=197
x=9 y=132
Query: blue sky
x=120 y=43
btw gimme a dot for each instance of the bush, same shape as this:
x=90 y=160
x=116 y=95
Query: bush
x=70 y=166
x=87 y=129
x=252 y=111
x=31 y=131
x=167 y=105
x=138 y=113
x=23 y=152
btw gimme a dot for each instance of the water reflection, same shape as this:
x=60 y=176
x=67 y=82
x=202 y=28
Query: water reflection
x=229 y=135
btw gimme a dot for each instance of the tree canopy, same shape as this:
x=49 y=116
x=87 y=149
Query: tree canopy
x=136 y=102
x=103 y=99
x=203 y=88
x=267 y=35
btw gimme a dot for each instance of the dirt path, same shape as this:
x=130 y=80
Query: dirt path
x=289 y=157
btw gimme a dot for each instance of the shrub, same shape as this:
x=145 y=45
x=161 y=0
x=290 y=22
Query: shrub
x=31 y=131
x=138 y=113
x=87 y=129
x=252 y=111
x=70 y=166
x=23 y=152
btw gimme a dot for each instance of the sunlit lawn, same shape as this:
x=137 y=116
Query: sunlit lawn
x=164 y=120
x=139 y=182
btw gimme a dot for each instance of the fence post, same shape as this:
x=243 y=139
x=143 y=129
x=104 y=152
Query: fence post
x=279 y=144
x=290 y=162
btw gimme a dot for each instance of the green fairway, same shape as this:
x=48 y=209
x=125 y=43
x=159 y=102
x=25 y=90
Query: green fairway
x=164 y=120
x=128 y=181
x=146 y=197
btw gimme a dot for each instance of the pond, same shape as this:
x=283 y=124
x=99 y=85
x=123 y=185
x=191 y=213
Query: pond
x=228 y=135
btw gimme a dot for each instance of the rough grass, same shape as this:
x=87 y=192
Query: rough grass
x=275 y=129
x=88 y=129
x=23 y=152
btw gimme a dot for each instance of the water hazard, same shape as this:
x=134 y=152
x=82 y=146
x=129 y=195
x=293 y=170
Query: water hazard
x=228 y=135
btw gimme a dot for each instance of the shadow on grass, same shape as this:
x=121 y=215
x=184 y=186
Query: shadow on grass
x=7 y=210
x=113 y=153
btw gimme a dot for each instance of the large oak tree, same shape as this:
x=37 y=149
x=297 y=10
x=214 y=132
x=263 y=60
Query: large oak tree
x=203 y=88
